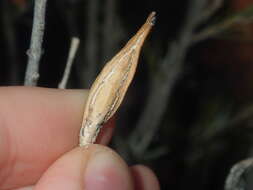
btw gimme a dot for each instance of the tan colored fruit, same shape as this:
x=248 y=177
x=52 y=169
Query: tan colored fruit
x=109 y=88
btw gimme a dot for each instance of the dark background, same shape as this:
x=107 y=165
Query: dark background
x=205 y=125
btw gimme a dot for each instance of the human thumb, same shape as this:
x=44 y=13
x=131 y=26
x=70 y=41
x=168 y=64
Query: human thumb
x=93 y=167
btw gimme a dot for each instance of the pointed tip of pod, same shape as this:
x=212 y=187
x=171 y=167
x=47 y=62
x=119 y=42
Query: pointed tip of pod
x=152 y=18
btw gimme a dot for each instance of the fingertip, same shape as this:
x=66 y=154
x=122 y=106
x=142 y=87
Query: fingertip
x=66 y=172
x=91 y=167
x=107 y=171
x=144 y=178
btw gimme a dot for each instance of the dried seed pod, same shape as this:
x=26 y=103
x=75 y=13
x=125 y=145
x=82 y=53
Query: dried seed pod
x=109 y=88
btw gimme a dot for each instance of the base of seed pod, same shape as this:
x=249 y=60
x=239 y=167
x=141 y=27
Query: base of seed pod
x=86 y=139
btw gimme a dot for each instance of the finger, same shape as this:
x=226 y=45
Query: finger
x=91 y=168
x=106 y=132
x=144 y=178
x=25 y=188
x=37 y=125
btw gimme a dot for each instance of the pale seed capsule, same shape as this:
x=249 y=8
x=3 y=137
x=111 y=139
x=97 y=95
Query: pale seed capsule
x=109 y=88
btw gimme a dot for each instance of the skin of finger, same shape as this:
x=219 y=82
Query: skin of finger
x=37 y=126
x=144 y=178
x=25 y=188
x=105 y=133
x=68 y=172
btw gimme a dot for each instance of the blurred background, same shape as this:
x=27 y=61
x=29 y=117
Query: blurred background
x=188 y=112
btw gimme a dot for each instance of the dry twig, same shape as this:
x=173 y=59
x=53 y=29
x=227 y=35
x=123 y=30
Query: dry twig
x=214 y=5
x=235 y=179
x=72 y=52
x=244 y=16
x=34 y=53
